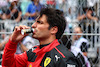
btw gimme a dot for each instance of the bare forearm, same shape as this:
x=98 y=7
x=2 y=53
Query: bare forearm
x=31 y=15
x=94 y=18
x=19 y=17
x=81 y=17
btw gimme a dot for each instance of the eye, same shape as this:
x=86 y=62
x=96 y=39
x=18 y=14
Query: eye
x=40 y=22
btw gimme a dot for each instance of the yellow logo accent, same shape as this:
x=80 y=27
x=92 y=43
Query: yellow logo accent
x=47 y=61
x=30 y=65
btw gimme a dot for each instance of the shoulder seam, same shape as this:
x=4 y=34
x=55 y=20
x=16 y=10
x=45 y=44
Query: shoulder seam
x=60 y=52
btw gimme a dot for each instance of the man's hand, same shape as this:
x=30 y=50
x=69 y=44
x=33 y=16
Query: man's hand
x=13 y=11
x=16 y=35
x=89 y=16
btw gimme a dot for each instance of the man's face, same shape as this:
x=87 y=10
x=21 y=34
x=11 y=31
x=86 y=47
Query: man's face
x=77 y=31
x=41 y=28
x=36 y=0
x=14 y=3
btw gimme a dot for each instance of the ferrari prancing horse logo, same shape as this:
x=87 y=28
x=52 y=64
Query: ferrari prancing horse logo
x=47 y=61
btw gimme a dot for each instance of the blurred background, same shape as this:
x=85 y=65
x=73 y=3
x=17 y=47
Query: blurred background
x=82 y=34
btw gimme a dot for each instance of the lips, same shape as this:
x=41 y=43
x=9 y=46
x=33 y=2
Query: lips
x=34 y=31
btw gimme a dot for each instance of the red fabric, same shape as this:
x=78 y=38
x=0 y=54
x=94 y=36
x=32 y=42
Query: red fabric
x=51 y=2
x=12 y=60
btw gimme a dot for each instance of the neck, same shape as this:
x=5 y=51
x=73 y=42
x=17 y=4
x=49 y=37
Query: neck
x=46 y=41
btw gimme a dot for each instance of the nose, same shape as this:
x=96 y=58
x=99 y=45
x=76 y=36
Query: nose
x=34 y=25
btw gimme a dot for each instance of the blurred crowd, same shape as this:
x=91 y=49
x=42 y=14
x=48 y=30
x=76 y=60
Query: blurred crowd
x=79 y=20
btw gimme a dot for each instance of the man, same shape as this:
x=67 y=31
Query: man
x=80 y=45
x=49 y=27
x=33 y=10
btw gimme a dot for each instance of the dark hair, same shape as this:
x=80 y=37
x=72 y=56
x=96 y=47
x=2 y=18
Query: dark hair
x=32 y=0
x=55 y=18
x=88 y=8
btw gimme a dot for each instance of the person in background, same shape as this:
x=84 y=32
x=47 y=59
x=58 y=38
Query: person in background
x=48 y=29
x=14 y=11
x=88 y=13
x=51 y=3
x=89 y=22
x=3 y=7
x=61 y=4
x=27 y=43
x=24 y=4
x=80 y=45
x=33 y=10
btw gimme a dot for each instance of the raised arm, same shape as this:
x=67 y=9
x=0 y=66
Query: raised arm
x=10 y=59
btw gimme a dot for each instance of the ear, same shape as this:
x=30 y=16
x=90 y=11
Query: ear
x=54 y=30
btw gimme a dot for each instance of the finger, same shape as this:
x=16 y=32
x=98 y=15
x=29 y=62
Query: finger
x=26 y=27
x=17 y=28
x=23 y=27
